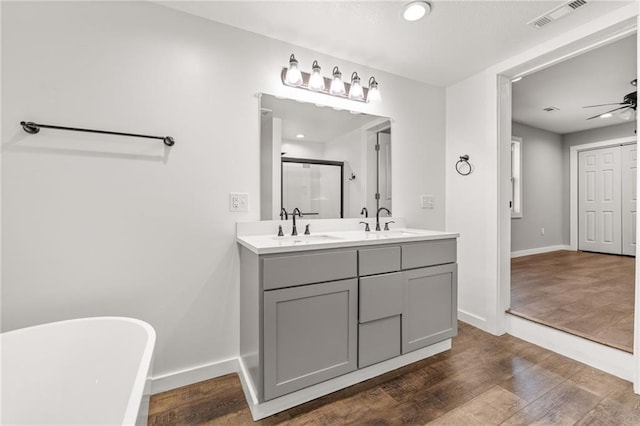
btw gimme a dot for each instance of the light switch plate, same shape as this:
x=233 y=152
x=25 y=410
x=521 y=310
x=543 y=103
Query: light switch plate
x=238 y=202
x=427 y=201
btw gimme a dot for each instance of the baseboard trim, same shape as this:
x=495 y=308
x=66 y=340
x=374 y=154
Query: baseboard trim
x=610 y=360
x=193 y=375
x=268 y=408
x=471 y=319
x=539 y=250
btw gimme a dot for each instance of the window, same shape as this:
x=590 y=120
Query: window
x=516 y=177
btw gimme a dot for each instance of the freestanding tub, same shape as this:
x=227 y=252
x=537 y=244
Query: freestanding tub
x=88 y=371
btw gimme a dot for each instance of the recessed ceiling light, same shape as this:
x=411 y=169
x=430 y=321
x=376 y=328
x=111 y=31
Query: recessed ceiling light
x=300 y=136
x=606 y=115
x=416 y=10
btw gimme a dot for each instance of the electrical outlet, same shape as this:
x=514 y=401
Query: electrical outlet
x=427 y=201
x=238 y=202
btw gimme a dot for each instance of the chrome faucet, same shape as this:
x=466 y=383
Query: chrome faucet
x=378 y=216
x=293 y=216
x=365 y=212
x=283 y=214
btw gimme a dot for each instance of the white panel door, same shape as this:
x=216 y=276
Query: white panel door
x=599 y=201
x=628 y=160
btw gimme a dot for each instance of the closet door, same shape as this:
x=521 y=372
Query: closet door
x=599 y=201
x=628 y=160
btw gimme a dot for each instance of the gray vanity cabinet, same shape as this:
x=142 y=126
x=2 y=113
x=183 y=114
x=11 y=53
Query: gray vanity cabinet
x=430 y=294
x=310 y=316
x=380 y=304
x=310 y=319
x=309 y=335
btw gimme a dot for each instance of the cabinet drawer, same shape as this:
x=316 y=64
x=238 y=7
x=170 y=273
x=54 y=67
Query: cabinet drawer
x=315 y=267
x=378 y=340
x=429 y=253
x=379 y=260
x=310 y=335
x=380 y=296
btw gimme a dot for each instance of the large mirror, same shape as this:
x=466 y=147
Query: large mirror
x=326 y=162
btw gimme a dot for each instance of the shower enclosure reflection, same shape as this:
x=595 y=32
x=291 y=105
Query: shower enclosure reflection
x=329 y=163
x=311 y=186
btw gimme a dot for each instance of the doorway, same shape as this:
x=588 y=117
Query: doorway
x=554 y=339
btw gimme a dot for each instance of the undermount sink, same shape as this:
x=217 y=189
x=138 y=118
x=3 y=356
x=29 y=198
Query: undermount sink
x=389 y=234
x=313 y=238
x=398 y=233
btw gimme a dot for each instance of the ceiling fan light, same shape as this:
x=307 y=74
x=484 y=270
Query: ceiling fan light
x=628 y=114
x=316 y=81
x=337 y=85
x=294 y=76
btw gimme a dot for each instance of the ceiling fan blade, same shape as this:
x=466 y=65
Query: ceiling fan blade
x=613 y=110
x=592 y=106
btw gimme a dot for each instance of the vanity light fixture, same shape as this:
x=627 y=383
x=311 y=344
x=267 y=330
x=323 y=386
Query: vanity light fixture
x=373 y=95
x=627 y=114
x=337 y=85
x=355 y=92
x=294 y=76
x=416 y=10
x=334 y=86
x=316 y=81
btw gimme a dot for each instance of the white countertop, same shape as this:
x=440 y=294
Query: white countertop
x=264 y=244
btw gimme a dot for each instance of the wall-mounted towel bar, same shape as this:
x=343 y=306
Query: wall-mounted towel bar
x=31 y=127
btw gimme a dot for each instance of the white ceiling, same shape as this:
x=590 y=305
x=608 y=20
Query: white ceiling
x=458 y=39
x=600 y=76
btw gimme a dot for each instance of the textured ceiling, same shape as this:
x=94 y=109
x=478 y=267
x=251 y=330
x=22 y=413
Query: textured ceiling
x=597 y=77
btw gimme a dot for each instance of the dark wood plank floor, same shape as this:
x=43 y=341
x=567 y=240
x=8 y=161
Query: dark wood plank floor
x=587 y=294
x=482 y=380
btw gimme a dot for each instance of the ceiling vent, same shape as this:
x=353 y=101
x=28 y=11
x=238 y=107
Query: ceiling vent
x=556 y=13
x=551 y=108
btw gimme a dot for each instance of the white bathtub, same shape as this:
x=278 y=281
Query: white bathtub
x=89 y=371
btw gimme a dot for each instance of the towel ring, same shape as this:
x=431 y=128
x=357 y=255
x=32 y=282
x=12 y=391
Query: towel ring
x=462 y=166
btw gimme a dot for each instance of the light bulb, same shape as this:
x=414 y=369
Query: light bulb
x=416 y=10
x=337 y=85
x=627 y=114
x=355 y=92
x=373 y=95
x=294 y=76
x=316 y=81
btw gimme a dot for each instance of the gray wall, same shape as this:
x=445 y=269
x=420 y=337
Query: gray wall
x=542 y=174
x=579 y=138
x=546 y=192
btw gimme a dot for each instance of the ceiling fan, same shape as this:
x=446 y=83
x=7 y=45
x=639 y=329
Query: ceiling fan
x=629 y=103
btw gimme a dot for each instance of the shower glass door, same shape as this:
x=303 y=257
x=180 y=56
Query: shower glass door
x=313 y=186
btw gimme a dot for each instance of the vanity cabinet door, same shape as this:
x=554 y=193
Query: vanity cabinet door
x=430 y=306
x=310 y=335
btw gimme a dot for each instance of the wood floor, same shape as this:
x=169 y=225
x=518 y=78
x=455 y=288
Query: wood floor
x=482 y=380
x=587 y=294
